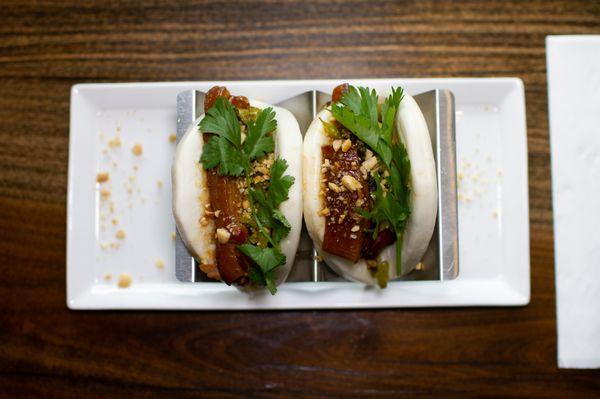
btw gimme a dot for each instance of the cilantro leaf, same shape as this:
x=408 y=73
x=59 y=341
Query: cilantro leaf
x=279 y=185
x=219 y=151
x=267 y=260
x=281 y=227
x=221 y=120
x=257 y=142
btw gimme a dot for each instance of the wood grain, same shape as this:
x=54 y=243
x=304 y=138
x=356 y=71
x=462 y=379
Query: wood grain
x=47 y=351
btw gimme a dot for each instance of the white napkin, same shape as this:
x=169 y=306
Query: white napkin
x=574 y=106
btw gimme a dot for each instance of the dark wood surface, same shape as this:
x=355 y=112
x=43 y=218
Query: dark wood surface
x=48 y=351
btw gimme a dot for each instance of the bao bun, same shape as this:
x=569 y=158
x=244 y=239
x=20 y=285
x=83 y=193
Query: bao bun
x=190 y=192
x=411 y=129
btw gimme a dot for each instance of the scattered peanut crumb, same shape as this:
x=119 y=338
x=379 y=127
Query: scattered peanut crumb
x=159 y=183
x=319 y=258
x=124 y=280
x=172 y=137
x=160 y=264
x=120 y=234
x=420 y=266
x=135 y=167
x=173 y=235
x=137 y=149
x=102 y=177
x=495 y=214
x=108 y=277
x=115 y=222
x=104 y=246
x=114 y=142
x=104 y=193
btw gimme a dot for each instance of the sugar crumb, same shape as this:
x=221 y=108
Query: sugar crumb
x=124 y=280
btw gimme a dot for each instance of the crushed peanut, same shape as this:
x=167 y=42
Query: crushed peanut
x=137 y=149
x=104 y=193
x=114 y=142
x=355 y=228
x=334 y=187
x=159 y=264
x=124 y=280
x=172 y=137
x=102 y=177
x=223 y=236
x=351 y=183
x=120 y=234
x=159 y=183
x=336 y=144
x=370 y=163
x=346 y=145
x=324 y=212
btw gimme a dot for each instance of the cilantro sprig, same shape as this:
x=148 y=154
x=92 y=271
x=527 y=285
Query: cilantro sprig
x=233 y=157
x=358 y=112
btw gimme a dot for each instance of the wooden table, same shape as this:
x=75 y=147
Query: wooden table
x=48 y=351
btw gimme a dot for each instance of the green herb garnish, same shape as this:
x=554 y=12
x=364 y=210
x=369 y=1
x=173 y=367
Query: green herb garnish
x=226 y=151
x=358 y=112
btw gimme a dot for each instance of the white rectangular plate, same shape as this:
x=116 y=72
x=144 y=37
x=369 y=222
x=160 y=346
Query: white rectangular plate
x=492 y=211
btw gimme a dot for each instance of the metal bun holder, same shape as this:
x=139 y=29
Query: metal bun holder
x=440 y=261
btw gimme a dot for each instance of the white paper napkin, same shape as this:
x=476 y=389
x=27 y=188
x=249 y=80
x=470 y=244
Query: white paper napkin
x=574 y=105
